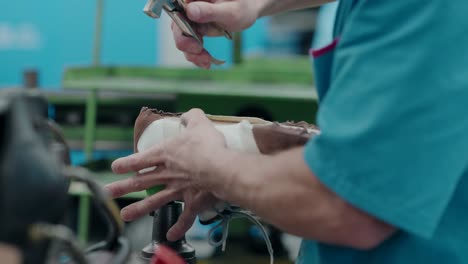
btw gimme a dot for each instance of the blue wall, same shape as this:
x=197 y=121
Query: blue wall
x=50 y=35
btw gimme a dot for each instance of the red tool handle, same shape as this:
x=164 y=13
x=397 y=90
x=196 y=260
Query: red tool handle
x=165 y=255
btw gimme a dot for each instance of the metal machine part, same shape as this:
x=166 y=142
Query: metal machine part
x=34 y=181
x=32 y=187
x=115 y=249
x=176 y=10
x=163 y=220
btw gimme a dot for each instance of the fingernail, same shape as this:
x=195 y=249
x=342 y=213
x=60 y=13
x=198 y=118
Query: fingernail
x=124 y=214
x=206 y=65
x=171 y=236
x=110 y=191
x=195 y=48
x=115 y=166
x=193 y=11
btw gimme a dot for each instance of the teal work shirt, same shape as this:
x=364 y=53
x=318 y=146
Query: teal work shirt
x=393 y=90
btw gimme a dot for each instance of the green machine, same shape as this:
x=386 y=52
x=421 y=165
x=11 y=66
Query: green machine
x=110 y=97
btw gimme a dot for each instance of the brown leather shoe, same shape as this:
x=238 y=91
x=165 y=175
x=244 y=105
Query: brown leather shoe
x=268 y=137
x=246 y=134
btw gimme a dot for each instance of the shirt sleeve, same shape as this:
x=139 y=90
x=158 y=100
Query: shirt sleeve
x=394 y=139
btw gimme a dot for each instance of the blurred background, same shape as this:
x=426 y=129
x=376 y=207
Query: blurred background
x=98 y=62
x=53 y=36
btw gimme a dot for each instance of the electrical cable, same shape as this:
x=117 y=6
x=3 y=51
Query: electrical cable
x=227 y=215
x=43 y=231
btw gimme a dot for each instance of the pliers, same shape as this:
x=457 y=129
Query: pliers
x=176 y=10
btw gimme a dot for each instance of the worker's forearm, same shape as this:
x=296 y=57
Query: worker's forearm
x=282 y=190
x=271 y=7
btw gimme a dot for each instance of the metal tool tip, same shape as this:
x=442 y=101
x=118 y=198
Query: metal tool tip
x=150 y=13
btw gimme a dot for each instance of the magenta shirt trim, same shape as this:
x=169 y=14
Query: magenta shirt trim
x=319 y=52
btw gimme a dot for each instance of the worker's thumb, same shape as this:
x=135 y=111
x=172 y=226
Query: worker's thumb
x=205 y=12
x=193 y=118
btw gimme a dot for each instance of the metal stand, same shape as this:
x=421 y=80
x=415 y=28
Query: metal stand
x=163 y=220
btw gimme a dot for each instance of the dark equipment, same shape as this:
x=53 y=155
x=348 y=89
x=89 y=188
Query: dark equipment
x=34 y=180
x=32 y=187
x=163 y=220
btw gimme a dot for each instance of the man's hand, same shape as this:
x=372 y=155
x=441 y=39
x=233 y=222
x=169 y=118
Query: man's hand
x=231 y=15
x=186 y=165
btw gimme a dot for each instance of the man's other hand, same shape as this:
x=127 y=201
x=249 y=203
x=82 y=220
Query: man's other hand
x=231 y=15
x=186 y=166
